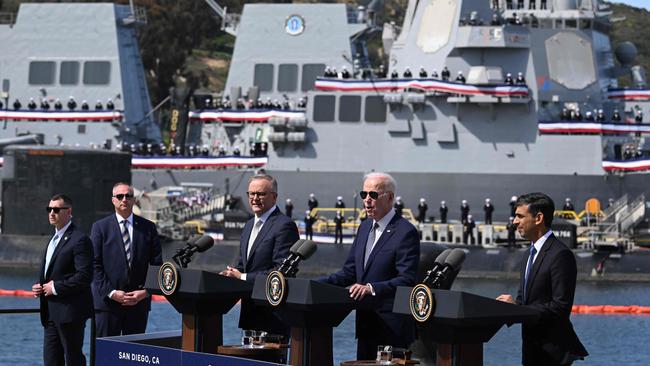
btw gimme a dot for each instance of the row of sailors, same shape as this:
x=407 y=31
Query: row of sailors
x=630 y=151
x=242 y=103
x=191 y=150
x=58 y=106
x=445 y=75
x=597 y=115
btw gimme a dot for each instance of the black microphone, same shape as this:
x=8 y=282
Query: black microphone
x=437 y=265
x=301 y=250
x=444 y=277
x=183 y=255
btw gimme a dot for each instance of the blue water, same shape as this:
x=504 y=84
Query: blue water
x=610 y=339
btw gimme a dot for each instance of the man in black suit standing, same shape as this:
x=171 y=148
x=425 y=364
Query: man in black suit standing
x=64 y=287
x=385 y=254
x=548 y=282
x=264 y=244
x=125 y=245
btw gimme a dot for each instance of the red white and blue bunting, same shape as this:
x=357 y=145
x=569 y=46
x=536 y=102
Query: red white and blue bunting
x=255 y=115
x=68 y=116
x=591 y=127
x=626 y=165
x=353 y=85
x=198 y=162
x=629 y=94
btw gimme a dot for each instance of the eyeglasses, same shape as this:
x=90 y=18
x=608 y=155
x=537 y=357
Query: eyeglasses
x=55 y=209
x=123 y=196
x=373 y=195
x=258 y=194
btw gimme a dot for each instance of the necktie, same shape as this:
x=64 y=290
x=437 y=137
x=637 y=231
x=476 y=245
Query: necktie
x=529 y=267
x=50 y=250
x=127 y=240
x=370 y=244
x=254 y=232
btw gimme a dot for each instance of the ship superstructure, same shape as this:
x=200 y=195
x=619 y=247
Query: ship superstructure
x=88 y=53
x=442 y=141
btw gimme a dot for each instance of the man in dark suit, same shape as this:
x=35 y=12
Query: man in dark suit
x=125 y=245
x=264 y=244
x=548 y=282
x=385 y=254
x=64 y=287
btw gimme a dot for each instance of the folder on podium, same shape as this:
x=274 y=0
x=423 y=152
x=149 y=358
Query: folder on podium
x=461 y=322
x=311 y=309
x=202 y=298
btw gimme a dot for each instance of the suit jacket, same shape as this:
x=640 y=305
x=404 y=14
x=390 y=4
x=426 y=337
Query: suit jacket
x=71 y=270
x=550 y=290
x=393 y=262
x=270 y=248
x=111 y=270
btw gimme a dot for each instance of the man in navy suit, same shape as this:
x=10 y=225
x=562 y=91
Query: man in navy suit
x=385 y=254
x=64 y=287
x=548 y=283
x=125 y=245
x=264 y=244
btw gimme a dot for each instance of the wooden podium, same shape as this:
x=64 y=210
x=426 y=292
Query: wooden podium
x=311 y=309
x=461 y=323
x=202 y=298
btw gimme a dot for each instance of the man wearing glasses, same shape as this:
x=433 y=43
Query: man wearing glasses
x=124 y=245
x=385 y=254
x=64 y=287
x=264 y=244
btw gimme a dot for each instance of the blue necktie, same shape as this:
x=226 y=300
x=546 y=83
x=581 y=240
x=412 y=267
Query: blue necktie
x=370 y=244
x=50 y=251
x=529 y=267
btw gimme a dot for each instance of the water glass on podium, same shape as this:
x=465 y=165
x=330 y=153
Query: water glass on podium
x=384 y=355
x=247 y=338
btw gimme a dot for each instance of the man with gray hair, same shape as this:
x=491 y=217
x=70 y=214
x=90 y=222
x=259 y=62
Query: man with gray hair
x=385 y=254
x=264 y=244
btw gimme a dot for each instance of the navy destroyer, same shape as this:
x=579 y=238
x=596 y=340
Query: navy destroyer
x=301 y=81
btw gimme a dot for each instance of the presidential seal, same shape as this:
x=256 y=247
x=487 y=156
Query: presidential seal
x=275 y=288
x=294 y=25
x=168 y=278
x=422 y=303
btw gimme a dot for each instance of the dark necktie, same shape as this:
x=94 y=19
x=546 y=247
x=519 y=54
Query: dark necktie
x=370 y=243
x=127 y=240
x=529 y=267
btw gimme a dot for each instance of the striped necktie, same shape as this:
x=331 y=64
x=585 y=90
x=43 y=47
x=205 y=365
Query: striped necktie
x=127 y=240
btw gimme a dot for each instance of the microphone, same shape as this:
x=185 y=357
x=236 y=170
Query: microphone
x=437 y=265
x=445 y=276
x=300 y=250
x=183 y=255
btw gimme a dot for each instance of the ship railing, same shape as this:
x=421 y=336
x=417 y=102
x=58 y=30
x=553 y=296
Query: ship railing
x=619 y=204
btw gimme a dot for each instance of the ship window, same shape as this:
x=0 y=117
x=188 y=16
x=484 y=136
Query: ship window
x=324 y=108
x=263 y=77
x=97 y=72
x=309 y=74
x=69 y=73
x=375 y=109
x=41 y=72
x=350 y=108
x=585 y=24
x=571 y=23
x=546 y=23
x=287 y=77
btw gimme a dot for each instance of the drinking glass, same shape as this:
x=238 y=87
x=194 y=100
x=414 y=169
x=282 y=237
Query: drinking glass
x=247 y=338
